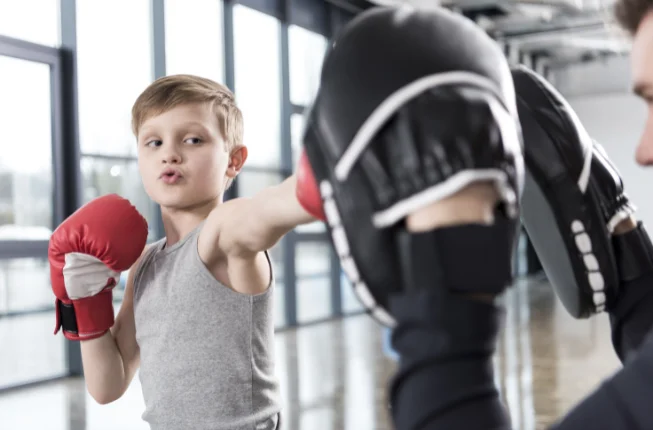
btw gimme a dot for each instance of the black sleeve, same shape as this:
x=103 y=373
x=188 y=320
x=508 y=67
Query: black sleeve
x=445 y=377
x=622 y=402
x=625 y=400
x=632 y=316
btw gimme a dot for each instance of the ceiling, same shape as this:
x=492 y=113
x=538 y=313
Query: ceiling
x=554 y=32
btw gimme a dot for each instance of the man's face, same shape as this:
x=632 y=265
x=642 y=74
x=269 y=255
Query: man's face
x=182 y=157
x=642 y=69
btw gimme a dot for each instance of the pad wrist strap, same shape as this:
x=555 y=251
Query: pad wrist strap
x=469 y=258
x=633 y=253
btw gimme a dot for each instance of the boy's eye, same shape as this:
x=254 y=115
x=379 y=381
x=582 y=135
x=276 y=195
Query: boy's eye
x=193 y=140
x=154 y=143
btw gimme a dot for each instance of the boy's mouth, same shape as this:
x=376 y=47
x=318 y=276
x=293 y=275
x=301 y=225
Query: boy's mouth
x=170 y=176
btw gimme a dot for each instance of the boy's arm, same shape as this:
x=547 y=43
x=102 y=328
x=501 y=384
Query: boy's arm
x=110 y=362
x=244 y=227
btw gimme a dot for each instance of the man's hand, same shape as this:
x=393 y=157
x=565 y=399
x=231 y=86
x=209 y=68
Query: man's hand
x=474 y=204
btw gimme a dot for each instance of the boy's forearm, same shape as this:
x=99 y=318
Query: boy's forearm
x=104 y=372
x=285 y=210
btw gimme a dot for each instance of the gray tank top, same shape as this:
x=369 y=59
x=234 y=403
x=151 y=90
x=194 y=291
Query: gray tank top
x=207 y=352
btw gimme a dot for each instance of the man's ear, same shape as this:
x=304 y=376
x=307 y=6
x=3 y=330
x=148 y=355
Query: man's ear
x=237 y=159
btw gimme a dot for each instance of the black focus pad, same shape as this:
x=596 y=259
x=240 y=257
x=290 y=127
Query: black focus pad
x=560 y=209
x=401 y=122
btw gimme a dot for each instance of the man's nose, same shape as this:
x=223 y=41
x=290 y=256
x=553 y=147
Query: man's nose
x=644 y=152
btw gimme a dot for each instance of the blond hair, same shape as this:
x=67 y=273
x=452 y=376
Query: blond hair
x=171 y=91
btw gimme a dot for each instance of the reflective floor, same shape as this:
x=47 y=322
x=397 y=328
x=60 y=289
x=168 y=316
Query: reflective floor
x=333 y=375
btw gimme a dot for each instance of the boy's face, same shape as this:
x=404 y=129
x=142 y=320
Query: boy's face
x=183 y=158
x=642 y=69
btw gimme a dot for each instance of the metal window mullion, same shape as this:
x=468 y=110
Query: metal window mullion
x=159 y=71
x=68 y=153
x=289 y=243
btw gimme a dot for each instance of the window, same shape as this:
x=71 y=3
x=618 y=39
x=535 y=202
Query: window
x=112 y=72
x=105 y=176
x=350 y=302
x=41 y=358
x=25 y=286
x=36 y=21
x=312 y=263
x=297 y=124
x=306 y=51
x=251 y=182
x=114 y=67
x=26 y=189
x=258 y=84
x=194 y=38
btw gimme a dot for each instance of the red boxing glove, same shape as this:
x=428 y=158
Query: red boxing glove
x=307 y=190
x=87 y=252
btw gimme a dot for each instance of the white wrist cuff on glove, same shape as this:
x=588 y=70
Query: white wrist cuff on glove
x=85 y=275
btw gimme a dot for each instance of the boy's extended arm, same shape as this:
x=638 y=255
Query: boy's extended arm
x=247 y=226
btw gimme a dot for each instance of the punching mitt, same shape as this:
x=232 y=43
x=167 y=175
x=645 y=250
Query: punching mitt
x=413 y=106
x=573 y=199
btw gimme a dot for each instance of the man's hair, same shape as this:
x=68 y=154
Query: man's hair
x=630 y=13
x=171 y=91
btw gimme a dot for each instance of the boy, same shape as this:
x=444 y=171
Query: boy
x=197 y=309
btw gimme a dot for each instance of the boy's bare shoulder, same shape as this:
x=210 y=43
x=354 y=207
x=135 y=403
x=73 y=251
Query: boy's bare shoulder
x=226 y=218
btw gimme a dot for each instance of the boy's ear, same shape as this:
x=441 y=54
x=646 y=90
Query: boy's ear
x=237 y=159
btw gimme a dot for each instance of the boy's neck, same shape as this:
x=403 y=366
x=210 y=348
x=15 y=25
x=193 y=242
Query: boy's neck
x=178 y=223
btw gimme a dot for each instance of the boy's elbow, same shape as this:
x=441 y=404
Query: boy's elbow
x=104 y=397
x=103 y=400
x=263 y=240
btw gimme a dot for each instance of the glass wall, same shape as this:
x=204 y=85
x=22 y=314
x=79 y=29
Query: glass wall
x=18 y=20
x=194 y=41
x=29 y=190
x=26 y=177
x=111 y=73
x=256 y=49
x=269 y=55
x=306 y=53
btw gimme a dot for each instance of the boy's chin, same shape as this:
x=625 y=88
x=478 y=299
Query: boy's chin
x=183 y=202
